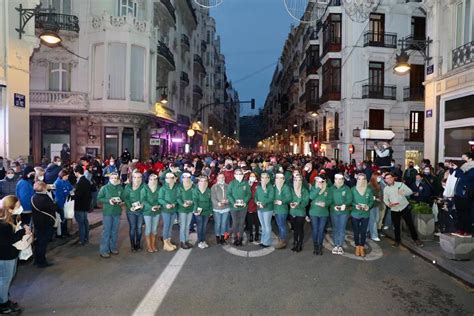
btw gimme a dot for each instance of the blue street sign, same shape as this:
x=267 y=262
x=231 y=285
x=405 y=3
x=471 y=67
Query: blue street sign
x=19 y=100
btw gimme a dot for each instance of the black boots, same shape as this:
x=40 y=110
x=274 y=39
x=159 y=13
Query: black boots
x=223 y=242
x=251 y=237
x=218 y=240
x=318 y=249
x=257 y=236
x=295 y=244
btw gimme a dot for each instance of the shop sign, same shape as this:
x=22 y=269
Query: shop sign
x=155 y=141
x=164 y=112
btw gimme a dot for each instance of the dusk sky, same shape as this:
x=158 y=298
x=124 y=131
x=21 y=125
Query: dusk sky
x=252 y=35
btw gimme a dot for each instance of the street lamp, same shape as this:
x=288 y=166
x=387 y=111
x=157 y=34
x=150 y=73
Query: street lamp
x=191 y=132
x=402 y=66
x=314 y=114
x=164 y=94
x=409 y=43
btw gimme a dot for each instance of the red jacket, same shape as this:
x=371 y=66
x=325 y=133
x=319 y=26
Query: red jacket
x=229 y=176
x=252 y=207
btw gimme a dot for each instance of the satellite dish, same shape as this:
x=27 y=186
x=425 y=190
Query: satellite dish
x=208 y=3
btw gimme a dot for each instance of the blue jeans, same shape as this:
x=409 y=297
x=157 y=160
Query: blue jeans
x=110 y=231
x=201 y=227
x=282 y=228
x=265 y=218
x=339 y=223
x=7 y=272
x=168 y=220
x=184 y=222
x=151 y=224
x=83 y=222
x=388 y=218
x=220 y=222
x=359 y=225
x=94 y=199
x=373 y=222
x=135 y=223
x=318 y=224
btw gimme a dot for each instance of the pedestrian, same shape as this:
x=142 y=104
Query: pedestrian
x=341 y=202
x=283 y=197
x=15 y=165
x=220 y=207
x=252 y=215
x=422 y=191
x=151 y=211
x=63 y=189
x=362 y=202
x=44 y=218
x=134 y=206
x=202 y=208
x=238 y=194
x=168 y=199
x=111 y=168
x=185 y=209
x=24 y=191
x=298 y=202
x=464 y=197
x=321 y=199
x=377 y=211
x=52 y=171
x=111 y=197
x=409 y=176
x=264 y=198
x=395 y=197
x=82 y=204
x=8 y=253
x=8 y=184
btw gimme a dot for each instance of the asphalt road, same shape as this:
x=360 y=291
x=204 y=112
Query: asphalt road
x=214 y=281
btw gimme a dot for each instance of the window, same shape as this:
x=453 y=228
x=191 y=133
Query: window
x=59 y=77
x=332 y=33
x=98 y=71
x=418 y=27
x=137 y=73
x=59 y=6
x=376 y=79
x=111 y=142
x=463 y=22
x=376 y=119
x=416 y=122
x=377 y=27
x=116 y=64
x=456 y=140
x=460 y=108
x=127 y=7
x=332 y=76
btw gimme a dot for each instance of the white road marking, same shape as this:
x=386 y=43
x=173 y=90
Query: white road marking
x=253 y=253
x=155 y=296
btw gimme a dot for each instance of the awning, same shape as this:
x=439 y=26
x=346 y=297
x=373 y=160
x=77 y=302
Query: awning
x=164 y=112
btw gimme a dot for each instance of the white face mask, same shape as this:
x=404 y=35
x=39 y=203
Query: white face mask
x=40 y=178
x=115 y=182
x=221 y=181
x=58 y=163
x=17 y=211
x=239 y=177
x=252 y=179
x=112 y=163
x=10 y=176
x=379 y=179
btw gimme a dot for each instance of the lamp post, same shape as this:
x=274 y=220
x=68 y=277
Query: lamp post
x=411 y=44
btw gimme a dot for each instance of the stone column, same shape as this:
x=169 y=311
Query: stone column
x=73 y=140
x=136 y=143
x=120 y=150
x=36 y=138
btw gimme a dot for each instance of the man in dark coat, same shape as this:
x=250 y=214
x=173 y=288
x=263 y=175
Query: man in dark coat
x=82 y=204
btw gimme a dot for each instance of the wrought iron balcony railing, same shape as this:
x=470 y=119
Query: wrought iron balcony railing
x=463 y=55
x=388 y=92
x=164 y=51
x=413 y=94
x=65 y=22
x=380 y=39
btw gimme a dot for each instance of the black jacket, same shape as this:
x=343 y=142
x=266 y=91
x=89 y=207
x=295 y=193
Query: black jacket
x=42 y=202
x=7 y=238
x=82 y=195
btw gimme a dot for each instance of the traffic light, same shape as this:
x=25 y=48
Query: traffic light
x=316 y=146
x=252 y=104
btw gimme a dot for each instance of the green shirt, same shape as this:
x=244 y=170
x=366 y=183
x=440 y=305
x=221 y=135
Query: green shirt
x=300 y=209
x=168 y=196
x=185 y=195
x=149 y=200
x=202 y=200
x=107 y=192
x=265 y=197
x=285 y=197
x=341 y=196
x=317 y=197
x=131 y=196
x=367 y=198
x=238 y=191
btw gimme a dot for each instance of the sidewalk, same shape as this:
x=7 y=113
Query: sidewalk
x=463 y=270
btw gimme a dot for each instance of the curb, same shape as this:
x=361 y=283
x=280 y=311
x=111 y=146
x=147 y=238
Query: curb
x=443 y=264
x=65 y=241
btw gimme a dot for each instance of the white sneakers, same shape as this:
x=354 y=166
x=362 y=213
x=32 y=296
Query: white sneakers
x=308 y=219
x=337 y=251
x=203 y=245
x=334 y=250
x=376 y=239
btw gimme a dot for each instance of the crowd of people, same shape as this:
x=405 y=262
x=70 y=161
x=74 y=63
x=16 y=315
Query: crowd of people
x=240 y=191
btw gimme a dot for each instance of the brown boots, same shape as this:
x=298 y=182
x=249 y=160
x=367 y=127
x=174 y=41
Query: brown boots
x=281 y=244
x=360 y=251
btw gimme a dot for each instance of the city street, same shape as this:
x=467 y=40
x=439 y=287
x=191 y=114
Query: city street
x=215 y=282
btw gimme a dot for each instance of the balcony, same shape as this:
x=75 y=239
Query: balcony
x=203 y=46
x=312 y=68
x=312 y=105
x=375 y=39
x=379 y=92
x=334 y=134
x=184 y=78
x=414 y=136
x=322 y=136
x=199 y=63
x=53 y=100
x=166 y=54
x=331 y=93
x=414 y=94
x=463 y=55
x=169 y=8
x=185 y=42
x=64 y=22
x=198 y=91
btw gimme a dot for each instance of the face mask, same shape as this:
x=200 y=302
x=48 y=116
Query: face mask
x=379 y=179
x=239 y=177
x=10 y=176
x=41 y=178
x=112 y=163
x=427 y=171
x=392 y=164
x=221 y=182
x=58 y=163
x=17 y=211
x=306 y=169
x=115 y=182
x=252 y=179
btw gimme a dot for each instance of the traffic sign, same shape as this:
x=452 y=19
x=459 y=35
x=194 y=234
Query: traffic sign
x=351 y=149
x=376 y=134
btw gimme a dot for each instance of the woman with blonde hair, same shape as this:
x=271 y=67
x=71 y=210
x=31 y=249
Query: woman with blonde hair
x=321 y=199
x=10 y=205
x=133 y=201
x=151 y=211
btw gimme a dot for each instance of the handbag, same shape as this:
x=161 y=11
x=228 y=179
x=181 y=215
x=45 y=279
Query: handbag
x=69 y=208
x=24 y=245
x=56 y=219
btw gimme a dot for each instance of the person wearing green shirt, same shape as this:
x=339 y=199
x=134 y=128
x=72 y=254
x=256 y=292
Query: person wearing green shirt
x=238 y=195
x=134 y=206
x=185 y=209
x=151 y=211
x=362 y=202
x=341 y=196
x=168 y=199
x=264 y=197
x=299 y=201
x=111 y=196
x=282 y=198
x=321 y=199
x=202 y=209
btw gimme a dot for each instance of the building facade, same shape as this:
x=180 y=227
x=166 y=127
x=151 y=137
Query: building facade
x=337 y=77
x=135 y=80
x=450 y=85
